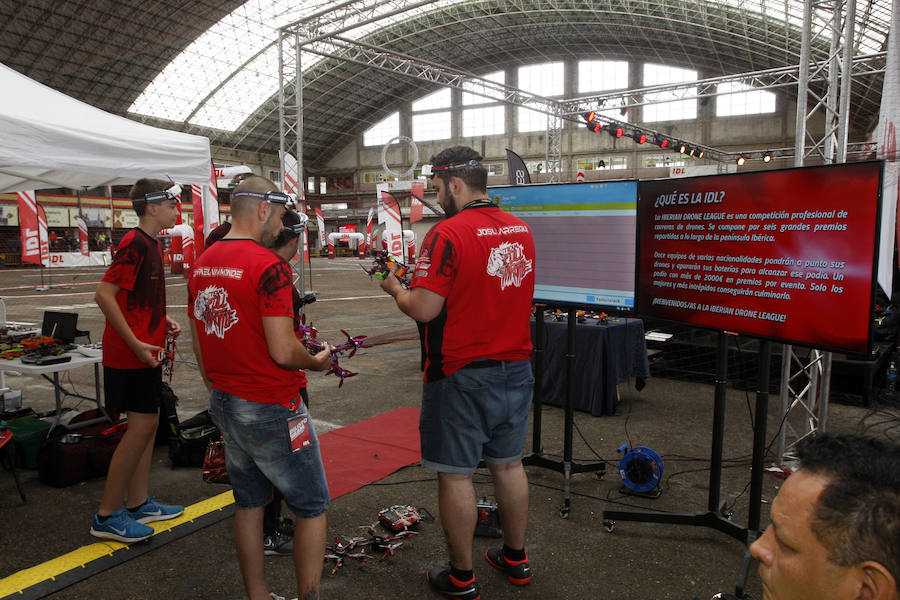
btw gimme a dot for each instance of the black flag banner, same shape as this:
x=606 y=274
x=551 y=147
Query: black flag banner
x=518 y=172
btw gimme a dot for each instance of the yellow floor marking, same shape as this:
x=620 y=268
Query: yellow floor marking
x=50 y=569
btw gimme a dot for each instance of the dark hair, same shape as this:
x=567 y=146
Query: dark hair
x=288 y=219
x=857 y=516
x=474 y=176
x=141 y=188
x=218 y=233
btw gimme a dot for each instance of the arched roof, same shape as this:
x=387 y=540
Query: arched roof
x=210 y=67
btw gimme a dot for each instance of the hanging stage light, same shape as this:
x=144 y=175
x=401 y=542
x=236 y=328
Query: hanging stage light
x=639 y=137
x=693 y=151
x=662 y=142
x=767 y=157
x=683 y=148
x=616 y=132
x=590 y=117
x=596 y=126
x=702 y=153
x=741 y=160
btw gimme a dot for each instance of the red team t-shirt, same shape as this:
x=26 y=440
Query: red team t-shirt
x=233 y=285
x=137 y=269
x=482 y=262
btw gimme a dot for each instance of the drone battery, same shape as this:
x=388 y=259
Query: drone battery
x=488 y=524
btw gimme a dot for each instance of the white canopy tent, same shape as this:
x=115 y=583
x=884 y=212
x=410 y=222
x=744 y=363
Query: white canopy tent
x=50 y=140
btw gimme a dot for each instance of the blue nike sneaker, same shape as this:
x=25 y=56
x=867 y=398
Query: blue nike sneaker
x=152 y=510
x=120 y=526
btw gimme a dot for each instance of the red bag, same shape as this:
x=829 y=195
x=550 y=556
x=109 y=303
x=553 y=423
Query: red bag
x=214 y=470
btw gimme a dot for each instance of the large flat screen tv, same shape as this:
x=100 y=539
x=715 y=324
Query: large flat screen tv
x=788 y=254
x=584 y=235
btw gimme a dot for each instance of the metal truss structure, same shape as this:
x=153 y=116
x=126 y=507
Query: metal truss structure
x=806 y=373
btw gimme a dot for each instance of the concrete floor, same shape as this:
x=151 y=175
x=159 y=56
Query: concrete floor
x=572 y=558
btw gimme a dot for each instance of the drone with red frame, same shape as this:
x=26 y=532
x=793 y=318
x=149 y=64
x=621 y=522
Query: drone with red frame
x=314 y=346
x=384 y=264
x=355 y=547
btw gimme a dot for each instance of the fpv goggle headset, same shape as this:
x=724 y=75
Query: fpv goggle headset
x=270 y=197
x=297 y=228
x=173 y=193
x=432 y=170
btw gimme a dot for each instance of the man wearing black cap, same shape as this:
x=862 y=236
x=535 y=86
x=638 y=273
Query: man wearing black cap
x=132 y=296
x=473 y=286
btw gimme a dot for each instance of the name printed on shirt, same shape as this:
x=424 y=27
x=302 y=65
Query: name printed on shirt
x=484 y=231
x=228 y=272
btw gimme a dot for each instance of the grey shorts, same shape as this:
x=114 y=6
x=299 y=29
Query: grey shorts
x=474 y=414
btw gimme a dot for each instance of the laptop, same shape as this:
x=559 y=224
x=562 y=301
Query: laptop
x=60 y=325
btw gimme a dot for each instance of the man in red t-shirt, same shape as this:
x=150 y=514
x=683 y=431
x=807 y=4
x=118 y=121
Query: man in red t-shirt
x=132 y=296
x=239 y=301
x=473 y=286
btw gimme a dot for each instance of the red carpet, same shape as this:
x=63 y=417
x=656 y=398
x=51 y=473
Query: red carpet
x=370 y=450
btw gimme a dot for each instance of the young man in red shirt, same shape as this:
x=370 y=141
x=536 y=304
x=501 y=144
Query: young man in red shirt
x=239 y=301
x=473 y=287
x=132 y=296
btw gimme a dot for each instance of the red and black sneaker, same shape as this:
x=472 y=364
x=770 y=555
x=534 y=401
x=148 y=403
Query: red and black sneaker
x=448 y=585
x=518 y=571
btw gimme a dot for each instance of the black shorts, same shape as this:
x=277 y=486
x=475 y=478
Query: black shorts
x=135 y=390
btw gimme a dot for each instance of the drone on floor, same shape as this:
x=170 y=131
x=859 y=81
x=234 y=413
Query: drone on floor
x=355 y=547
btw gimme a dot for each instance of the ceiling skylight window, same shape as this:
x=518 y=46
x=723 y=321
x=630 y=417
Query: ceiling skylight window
x=383 y=132
x=481 y=92
x=489 y=120
x=742 y=102
x=669 y=111
x=433 y=101
x=197 y=88
x=431 y=126
x=546 y=79
x=602 y=75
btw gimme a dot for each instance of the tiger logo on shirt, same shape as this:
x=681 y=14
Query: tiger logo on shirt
x=212 y=308
x=509 y=263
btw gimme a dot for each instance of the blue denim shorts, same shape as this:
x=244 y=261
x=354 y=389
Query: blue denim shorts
x=474 y=414
x=270 y=445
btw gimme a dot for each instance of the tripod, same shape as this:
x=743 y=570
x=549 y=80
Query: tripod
x=714 y=516
x=537 y=458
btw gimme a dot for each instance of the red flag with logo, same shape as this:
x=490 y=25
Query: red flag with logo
x=83 y=236
x=44 y=237
x=417 y=194
x=28 y=227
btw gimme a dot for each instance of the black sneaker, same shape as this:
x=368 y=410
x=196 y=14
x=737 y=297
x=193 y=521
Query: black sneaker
x=444 y=583
x=518 y=571
x=285 y=525
x=279 y=544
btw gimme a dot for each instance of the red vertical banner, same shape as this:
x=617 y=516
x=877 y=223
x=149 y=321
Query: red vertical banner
x=176 y=248
x=320 y=221
x=393 y=228
x=293 y=186
x=28 y=227
x=43 y=236
x=83 y=237
x=369 y=240
x=417 y=194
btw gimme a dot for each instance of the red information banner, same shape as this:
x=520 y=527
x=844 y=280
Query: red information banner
x=787 y=255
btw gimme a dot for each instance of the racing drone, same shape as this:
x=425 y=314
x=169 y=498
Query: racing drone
x=309 y=337
x=384 y=264
x=355 y=547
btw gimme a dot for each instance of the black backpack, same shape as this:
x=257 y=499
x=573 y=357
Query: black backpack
x=168 y=416
x=187 y=448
